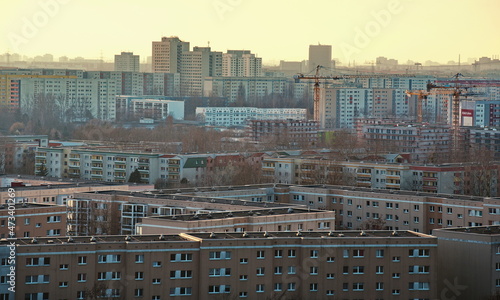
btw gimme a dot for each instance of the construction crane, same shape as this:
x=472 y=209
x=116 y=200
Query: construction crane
x=317 y=91
x=457 y=89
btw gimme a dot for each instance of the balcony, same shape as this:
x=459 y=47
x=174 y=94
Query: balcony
x=364 y=174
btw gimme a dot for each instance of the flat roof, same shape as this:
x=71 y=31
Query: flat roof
x=192 y=198
x=95 y=239
x=239 y=214
x=312 y=234
x=486 y=230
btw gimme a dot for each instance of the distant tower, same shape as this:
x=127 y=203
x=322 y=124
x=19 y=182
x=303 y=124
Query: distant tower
x=167 y=54
x=320 y=55
x=127 y=62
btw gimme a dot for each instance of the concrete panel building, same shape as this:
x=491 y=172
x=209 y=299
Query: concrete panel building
x=253 y=265
x=469 y=262
x=127 y=62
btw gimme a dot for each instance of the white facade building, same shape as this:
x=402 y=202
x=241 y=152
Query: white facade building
x=237 y=116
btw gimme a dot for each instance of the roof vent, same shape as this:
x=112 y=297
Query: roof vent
x=245 y=234
x=162 y=237
x=394 y=233
x=330 y=233
x=266 y=234
x=128 y=238
x=34 y=241
x=299 y=233
x=93 y=239
x=212 y=235
x=71 y=240
x=362 y=233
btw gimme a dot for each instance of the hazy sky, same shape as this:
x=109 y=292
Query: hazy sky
x=358 y=30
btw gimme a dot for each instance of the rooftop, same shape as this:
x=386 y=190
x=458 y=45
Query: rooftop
x=239 y=214
x=192 y=198
x=486 y=230
x=311 y=234
x=184 y=237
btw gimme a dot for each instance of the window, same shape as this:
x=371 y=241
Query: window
x=419 y=253
x=449 y=210
x=418 y=286
x=180 y=291
x=497 y=266
x=291 y=286
x=63 y=284
x=379 y=270
x=416 y=220
x=357 y=286
x=419 y=269
x=345 y=270
x=218 y=289
x=180 y=257
x=180 y=274
x=330 y=292
x=261 y=271
x=139 y=292
x=278 y=270
x=396 y=275
x=278 y=287
x=358 y=269
x=243 y=294
x=291 y=270
x=330 y=259
x=291 y=252
x=358 y=253
x=314 y=253
x=80 y=295
x=313 y=287
x=243 y=277
x=63 y=267
x=139 y=275
x=345 y=253
x=243 y=260
x=82 y=277
x=259 y=288
x=379 y=253
x=216 y=255
x=82 y=260
x=396 y=259
x=313 y=270
x=139 y=258
x=379 y=286
x=157 y=264
x=260 y=254
x=278 y=253
x=396 y=292
x=388 y=205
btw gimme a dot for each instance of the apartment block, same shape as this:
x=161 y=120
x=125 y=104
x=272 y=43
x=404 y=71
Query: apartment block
x=250 y=89
x=469 y=262
x=33 y=220
x=277 y=219
x=285 y=133
x=340 y=106
x=241 y=63
x=119 y=212
x=453 y=178
x=238 y=116
x=424 y=142
x=167 y=54
x=254 y=265
x=358 y=207
x=127 y=62
x=153 y=107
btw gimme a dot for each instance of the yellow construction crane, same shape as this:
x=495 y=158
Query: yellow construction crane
x=317 y=92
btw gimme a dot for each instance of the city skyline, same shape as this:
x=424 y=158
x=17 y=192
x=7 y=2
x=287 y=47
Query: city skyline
x=399 y=29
